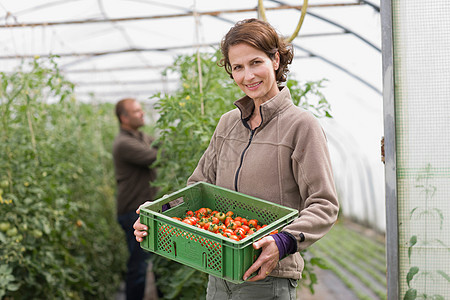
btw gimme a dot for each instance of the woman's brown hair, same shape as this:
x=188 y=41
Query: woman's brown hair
x=262 y=36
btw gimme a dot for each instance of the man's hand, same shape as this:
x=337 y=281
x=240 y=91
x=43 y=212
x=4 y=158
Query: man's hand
x=140 y=230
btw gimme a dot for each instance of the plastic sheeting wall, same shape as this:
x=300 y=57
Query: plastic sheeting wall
x=421 y=59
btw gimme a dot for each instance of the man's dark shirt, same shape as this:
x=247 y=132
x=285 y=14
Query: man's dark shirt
x=133 y=155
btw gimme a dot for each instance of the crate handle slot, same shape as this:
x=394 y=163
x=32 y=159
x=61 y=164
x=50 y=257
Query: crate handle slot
x=176 y=202
x=175 y=247
x=205 y=259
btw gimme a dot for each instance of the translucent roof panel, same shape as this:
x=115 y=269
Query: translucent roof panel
x=111 y=36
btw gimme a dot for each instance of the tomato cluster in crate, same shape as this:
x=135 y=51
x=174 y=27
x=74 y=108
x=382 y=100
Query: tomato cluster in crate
x=226 y=224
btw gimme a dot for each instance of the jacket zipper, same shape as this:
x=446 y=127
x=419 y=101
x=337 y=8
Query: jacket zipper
x=242 y=159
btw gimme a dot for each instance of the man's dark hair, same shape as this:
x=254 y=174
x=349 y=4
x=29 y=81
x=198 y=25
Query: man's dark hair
x=120 y=108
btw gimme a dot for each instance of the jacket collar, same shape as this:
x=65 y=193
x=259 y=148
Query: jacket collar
x=268 y=108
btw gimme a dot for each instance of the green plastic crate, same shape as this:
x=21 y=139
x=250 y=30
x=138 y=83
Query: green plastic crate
x=204 y=250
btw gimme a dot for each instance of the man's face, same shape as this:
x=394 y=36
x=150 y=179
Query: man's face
x=135 y=115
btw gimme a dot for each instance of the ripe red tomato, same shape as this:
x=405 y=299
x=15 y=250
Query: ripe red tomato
x=245 y=227
x=206 y=226
x=201 y=212
x=187 y=221
x=213 y=227
x=239 y=232
x=251 y=231
x=228 y=220
x=232 y=225
x=253 y=223
x=234 y=237
x=229 y=214
x=229 y=231
x=202 y=222
x=193 y=220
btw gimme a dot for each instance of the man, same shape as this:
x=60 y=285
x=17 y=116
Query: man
x=133 y=153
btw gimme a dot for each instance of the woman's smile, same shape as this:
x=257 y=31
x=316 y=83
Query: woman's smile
x=254 y=85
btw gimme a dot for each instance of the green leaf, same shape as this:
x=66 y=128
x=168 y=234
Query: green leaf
x=412 y=272
x=410 y=294
x=5 y=272
x=412 y=212
x=443 y=274
x=412 y=242
x=13 y=287
x=320 y=262
x=441 y=217
x=2 y=238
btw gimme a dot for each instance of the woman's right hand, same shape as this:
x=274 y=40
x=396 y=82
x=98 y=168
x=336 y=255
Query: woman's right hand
x=140 y=230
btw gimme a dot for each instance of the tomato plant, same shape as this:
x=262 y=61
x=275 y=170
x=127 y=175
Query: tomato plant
x=57 y=206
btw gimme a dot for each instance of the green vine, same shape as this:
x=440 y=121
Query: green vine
x=424 y=214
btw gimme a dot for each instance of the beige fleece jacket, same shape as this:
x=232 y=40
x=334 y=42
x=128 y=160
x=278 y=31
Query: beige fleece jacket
x=285 y=160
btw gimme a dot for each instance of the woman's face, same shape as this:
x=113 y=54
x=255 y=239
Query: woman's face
x=254 y=71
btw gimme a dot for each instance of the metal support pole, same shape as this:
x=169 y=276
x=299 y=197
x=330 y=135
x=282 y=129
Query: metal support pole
x=392 y=257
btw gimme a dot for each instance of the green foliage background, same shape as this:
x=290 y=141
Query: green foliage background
x=187 y=121
x=58 y=234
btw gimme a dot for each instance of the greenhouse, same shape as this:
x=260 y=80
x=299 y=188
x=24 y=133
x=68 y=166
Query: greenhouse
x=374 y=73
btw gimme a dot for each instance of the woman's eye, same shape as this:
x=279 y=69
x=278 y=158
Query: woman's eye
x=236 y=68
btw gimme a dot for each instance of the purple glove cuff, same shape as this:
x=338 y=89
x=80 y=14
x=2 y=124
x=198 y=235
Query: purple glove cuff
x=286 y=243
x=165 y=207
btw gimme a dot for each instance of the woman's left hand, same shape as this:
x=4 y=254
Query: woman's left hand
x=266 y=261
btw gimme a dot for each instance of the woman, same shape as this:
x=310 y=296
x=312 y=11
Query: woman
x=270 y=149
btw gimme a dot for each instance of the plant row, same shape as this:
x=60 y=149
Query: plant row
x=342 y=249
x=58 y=232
